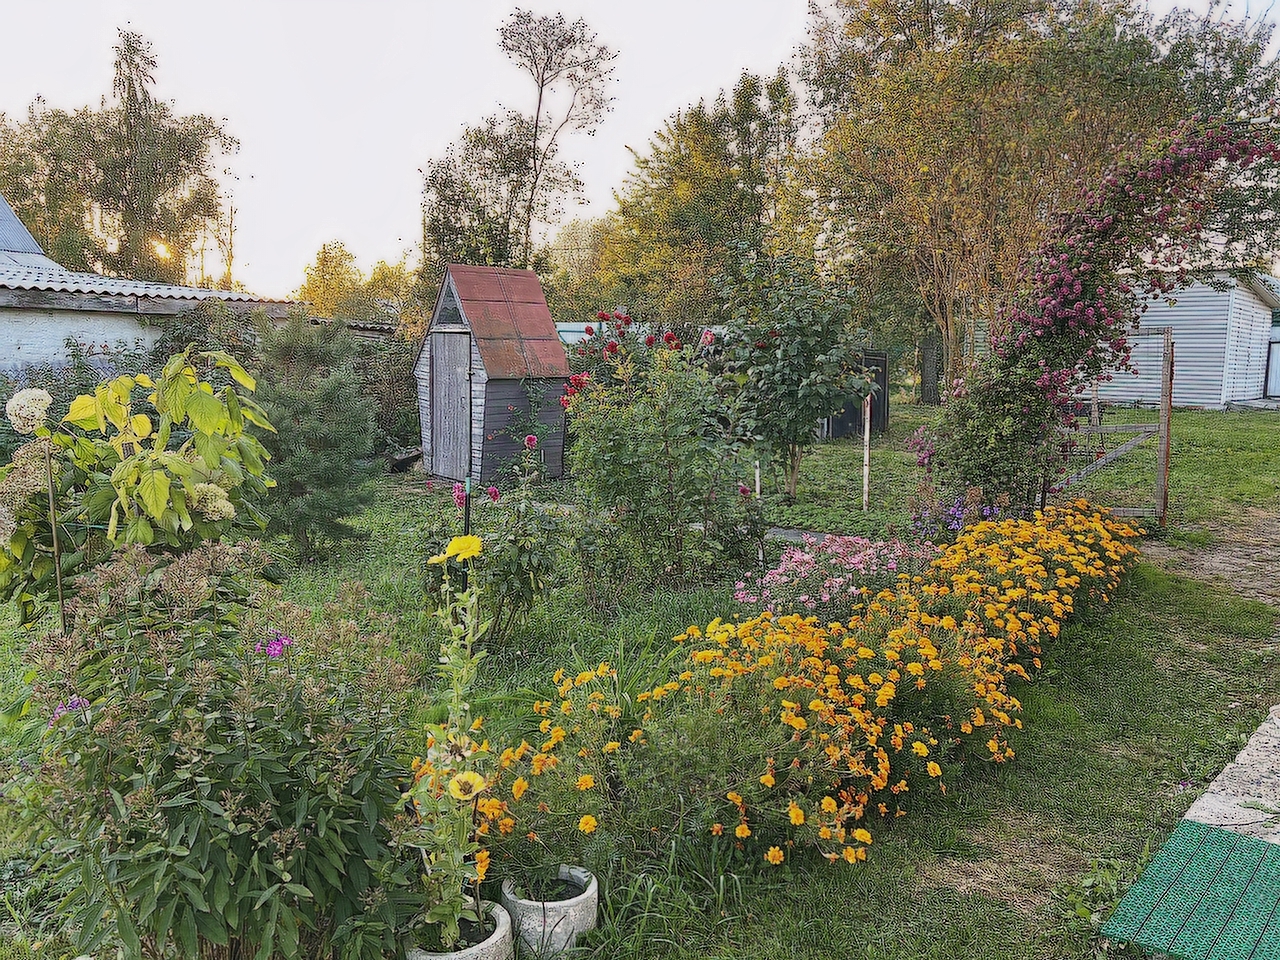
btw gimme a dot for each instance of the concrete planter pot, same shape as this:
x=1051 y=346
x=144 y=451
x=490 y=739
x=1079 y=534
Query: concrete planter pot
x=548 y=928
x=499 y=946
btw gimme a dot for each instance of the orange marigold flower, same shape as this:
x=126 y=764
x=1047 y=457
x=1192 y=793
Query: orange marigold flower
x=482 y=864
x=934 y=769
x=742 y=831
x=796 y=814
x=774 y=855
x=829 y=805
x=588 y=823
x=862 y=835
x=767 y=779
x=610 y=747
x=519 y=787
x=717 y=829
x=586 y=782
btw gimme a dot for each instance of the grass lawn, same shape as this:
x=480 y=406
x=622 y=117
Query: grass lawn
x=1140 y=704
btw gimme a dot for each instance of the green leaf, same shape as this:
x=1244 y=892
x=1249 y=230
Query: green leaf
x=84 y=412
x=206 y=412
x=153 y=491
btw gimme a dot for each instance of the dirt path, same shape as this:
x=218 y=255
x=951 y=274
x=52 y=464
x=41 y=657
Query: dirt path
x=1244 y=557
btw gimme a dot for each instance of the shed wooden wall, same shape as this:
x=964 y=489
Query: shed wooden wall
x=505 y=403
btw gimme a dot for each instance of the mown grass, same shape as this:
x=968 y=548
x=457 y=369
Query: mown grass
x=1140 y=704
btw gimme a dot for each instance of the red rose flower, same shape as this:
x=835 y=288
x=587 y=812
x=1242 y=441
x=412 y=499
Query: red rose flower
x=668 y=337
x=602 y=315
x=591 y=331
x=611 y=346
x=650 y=340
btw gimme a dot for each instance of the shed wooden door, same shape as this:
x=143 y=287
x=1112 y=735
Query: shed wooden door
x=450 y=404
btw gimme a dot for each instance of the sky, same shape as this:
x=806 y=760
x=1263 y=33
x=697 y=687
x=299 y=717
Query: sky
x=338 y=104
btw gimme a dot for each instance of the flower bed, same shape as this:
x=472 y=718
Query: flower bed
x=786 y=731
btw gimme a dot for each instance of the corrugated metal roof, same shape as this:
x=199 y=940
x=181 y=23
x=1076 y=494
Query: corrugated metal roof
x=24 y=266
x=509 y=318
x=14 y=237
x=59 y=280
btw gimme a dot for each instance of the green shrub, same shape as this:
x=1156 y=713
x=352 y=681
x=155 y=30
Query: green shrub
x=310 y=385
x=222 y=788
x=386 y=376
x=657 y=469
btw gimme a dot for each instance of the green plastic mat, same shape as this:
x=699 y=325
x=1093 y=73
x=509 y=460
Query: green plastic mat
x=1208 y=894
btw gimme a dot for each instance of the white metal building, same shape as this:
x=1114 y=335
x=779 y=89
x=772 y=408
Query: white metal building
x=1226 y=346
x=42 y=305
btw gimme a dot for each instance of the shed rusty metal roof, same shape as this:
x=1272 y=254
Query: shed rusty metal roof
x=509 y=318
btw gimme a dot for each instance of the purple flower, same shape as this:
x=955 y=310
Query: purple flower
x=75 y=703
x=274 y=647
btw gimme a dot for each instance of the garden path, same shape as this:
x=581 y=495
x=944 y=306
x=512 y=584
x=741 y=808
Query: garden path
x=1243 y=555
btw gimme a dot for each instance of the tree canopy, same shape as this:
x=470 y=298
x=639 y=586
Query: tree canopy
x=125 y=188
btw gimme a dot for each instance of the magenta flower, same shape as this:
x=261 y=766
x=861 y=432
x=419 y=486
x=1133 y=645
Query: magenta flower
x=274 y=647
x=493 y=494
x=530 y=442
x=708 y=338
x=459 y=496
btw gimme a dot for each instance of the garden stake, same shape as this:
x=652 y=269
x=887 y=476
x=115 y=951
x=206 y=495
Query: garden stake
x=866 y=453
x=53 y=527
x=466 y=521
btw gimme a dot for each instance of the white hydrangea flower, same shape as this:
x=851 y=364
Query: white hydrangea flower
x=26 y=409
x=210 y=500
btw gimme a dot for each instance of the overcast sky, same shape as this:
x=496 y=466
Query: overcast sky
x=337 y=104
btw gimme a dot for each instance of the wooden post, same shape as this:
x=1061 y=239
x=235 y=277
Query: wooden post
x=866 y=453
x=1166 y=429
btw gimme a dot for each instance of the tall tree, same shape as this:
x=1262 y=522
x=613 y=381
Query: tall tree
x=331 y=281
x=706 y=190
x=125 y=188
x=570 y=70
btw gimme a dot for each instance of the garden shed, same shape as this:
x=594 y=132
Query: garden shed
x=491 y=370
x=1222 y=335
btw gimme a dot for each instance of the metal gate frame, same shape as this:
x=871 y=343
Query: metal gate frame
x=1162 y=430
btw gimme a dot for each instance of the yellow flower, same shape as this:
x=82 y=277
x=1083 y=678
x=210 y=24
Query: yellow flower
x=717 y=829
x=588 y=823
x=482 y=864
x=465 y=547
x=796 y=814
x=586 y=782
x=438 y=558
x=829 y=805
x=920 y=749
x=610 y=747
x=506 y=825
x=742 y=831
x=734 y=797
x=774 y=855
x=862 y=835
x=466 y=785
x=850 y=854
x=767 y=780
x=519 y=787
x=934 y=769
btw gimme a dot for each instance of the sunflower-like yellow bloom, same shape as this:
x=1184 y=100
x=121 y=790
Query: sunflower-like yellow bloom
x=466 y=785
x=465 y=547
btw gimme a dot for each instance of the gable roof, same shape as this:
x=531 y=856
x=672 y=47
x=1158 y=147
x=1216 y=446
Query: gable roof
x=24 y=267
x=1266 y=287
x=509 y=318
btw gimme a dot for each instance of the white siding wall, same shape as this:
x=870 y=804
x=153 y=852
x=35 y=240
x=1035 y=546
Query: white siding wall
x=1199 y=322
x=32 y=336
x=1247 y=336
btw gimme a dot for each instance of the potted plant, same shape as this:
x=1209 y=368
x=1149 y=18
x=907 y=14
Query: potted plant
x=549 y=918
x=451 y=793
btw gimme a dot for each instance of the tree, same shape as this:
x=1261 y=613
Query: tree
x=125 y=189
x=473 y=195
x=570 y=71
x=331 y=281
x=951 y=137
x=789 y=352
x=706 y=190
x=310 y=387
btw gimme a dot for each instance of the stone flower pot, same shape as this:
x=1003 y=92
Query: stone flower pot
x=499 y=946
x=548 y=928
